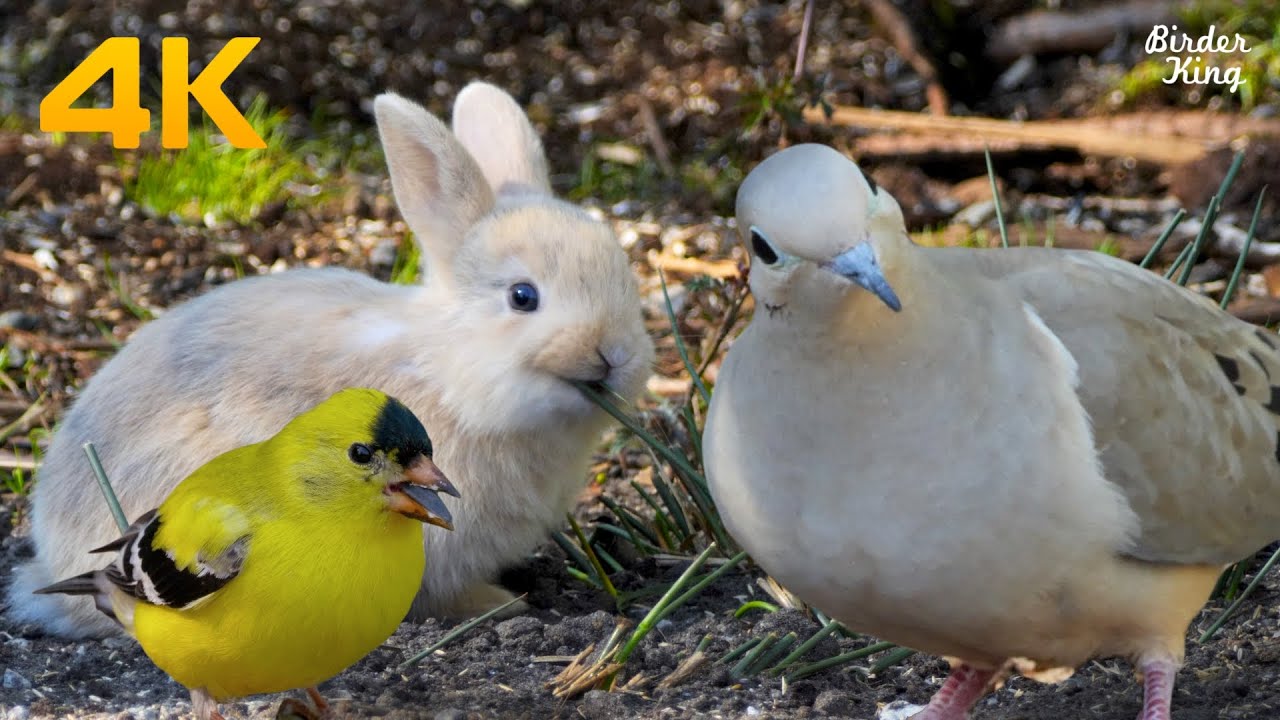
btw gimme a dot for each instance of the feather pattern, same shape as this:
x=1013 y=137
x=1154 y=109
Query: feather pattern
x=150 y=572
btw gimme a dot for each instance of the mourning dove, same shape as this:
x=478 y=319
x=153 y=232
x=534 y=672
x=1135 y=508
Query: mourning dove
x=1014 y=458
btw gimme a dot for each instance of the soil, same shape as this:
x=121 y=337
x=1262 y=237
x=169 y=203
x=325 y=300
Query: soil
x=587 y=72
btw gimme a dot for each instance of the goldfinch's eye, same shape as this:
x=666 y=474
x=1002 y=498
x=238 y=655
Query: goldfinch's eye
x=523 y=297
x=761 y=248
x=360 y=454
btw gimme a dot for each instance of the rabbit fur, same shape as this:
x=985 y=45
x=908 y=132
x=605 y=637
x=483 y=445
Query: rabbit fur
x=231 y=367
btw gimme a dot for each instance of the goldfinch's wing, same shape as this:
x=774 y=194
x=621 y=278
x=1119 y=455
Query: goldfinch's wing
x=181 y=554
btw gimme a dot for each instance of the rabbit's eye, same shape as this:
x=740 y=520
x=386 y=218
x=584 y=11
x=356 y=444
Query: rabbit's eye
x=360 y=454
x=523 y=297
x=761 y=248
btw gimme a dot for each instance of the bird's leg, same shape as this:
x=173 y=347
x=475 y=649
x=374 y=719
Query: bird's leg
x=203 y=705
x=1157 y=689
x=961 y=691
x=292 y=708
x=318 y=700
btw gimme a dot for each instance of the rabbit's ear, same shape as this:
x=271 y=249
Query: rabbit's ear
x=493 y=128
x=438 y=186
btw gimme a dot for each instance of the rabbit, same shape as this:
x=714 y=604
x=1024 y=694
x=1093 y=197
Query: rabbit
x=521 y=294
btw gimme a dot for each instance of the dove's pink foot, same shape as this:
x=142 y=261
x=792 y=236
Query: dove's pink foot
x=961 y=691
x=1157 y=689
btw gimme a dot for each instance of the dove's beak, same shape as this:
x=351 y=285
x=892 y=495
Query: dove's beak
x=418 y=494
x=859 y=265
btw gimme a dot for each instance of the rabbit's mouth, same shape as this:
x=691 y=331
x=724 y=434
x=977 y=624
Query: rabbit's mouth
x=593 y=390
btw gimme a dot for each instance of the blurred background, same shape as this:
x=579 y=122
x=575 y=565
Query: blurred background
x=651 y=114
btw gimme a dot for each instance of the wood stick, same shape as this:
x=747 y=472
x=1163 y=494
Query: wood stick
x=1166 y=138
x=1087 y=31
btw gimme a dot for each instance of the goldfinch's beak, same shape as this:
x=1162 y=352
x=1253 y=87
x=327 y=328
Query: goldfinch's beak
x=417 y=496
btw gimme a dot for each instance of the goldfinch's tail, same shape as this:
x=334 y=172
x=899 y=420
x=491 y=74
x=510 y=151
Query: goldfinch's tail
x=83 y=584
x=107 y=597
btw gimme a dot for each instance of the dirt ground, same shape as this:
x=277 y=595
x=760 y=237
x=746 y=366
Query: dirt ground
x=589 y=73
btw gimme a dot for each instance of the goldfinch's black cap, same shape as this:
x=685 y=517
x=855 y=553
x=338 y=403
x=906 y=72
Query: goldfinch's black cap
x=397 y=430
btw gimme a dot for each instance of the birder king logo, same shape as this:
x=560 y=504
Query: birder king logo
x=1189 y=60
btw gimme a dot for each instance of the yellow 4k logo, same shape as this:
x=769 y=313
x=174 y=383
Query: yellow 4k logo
x=126 y=119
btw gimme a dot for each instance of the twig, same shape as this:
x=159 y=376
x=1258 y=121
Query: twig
x=1056 y=31
x=805 y=28
x=653 y=132
x=903 y=37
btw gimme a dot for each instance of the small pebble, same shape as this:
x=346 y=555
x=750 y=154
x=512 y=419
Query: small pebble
x=14 y=681
x=18 y=320
x=898 y=710
x=834 y=702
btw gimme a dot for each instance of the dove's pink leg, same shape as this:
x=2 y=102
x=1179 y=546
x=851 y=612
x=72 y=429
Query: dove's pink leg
x=963 y=688
x=1157 y=689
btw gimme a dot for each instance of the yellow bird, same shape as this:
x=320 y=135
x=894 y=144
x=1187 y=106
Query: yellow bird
x=277 y=565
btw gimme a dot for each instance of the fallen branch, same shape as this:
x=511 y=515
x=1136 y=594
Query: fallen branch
x=1259 y=311
x=1169 y=138
x=1056 y=31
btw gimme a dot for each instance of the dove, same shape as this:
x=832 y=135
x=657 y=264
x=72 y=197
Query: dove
x=1015 y=459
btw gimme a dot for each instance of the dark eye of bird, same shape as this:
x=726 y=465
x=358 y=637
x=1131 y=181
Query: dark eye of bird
x=360 y=454
x=523 y=297
x=761 y=248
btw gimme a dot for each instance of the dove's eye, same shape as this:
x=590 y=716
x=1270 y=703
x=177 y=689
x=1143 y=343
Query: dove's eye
x=761 y=248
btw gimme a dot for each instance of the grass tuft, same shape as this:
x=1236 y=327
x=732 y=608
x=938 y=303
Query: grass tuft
x=212 y=181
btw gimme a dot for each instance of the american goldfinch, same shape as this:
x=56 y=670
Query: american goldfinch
x=277 y=565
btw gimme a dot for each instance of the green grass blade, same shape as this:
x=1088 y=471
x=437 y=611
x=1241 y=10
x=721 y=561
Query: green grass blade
x=661 y=523
x=995 y=197
x=107 y=492
x=591 y=557
x=1177 y=262
x=740 y=668
x=739 y=651
x=773 y=653
x=709 y=578
x=575 y=553
x=1202 y=237
x=1231 y=609
x=1244 y=251
x=1164 y=237
x=815 y=667
x=891 y=659
x=644 y=547
x=672 y=505
x=608 y=559
x=633 y=523
x=679 y=341
x=659 y=610
x=458 y=632
x=1211 y=214
x=694 y=482
x=747 y=607
x=806 y=646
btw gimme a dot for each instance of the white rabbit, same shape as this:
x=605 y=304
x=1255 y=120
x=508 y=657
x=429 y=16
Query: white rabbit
x=522 y=293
